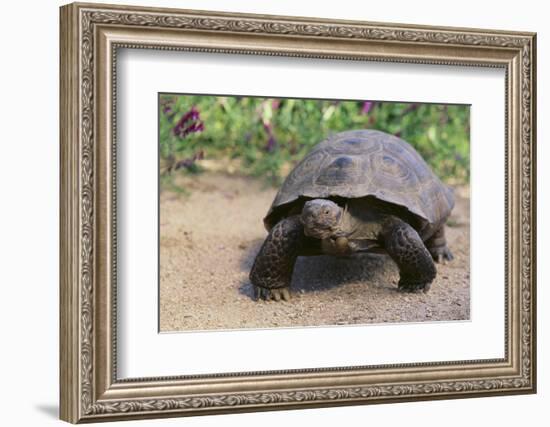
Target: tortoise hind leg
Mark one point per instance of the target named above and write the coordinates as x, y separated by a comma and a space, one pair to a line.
404, 245
272, 270
437, 245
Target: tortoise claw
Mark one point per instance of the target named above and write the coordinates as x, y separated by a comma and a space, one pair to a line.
256, 293
442, 255
285, 294
271, 294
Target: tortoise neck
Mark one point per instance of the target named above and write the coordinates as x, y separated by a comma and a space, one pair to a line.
346, 223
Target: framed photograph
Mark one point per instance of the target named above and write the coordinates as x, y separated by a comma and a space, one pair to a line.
267, 212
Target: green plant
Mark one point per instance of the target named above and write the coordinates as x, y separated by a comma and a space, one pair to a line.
268, 136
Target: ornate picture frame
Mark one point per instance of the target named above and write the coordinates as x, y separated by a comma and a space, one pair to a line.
90, 37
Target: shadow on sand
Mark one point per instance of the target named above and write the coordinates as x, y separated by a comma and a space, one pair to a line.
318, 273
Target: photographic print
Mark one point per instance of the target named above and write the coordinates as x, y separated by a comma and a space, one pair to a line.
280, 212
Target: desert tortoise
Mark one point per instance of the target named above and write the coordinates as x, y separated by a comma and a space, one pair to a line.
357, 191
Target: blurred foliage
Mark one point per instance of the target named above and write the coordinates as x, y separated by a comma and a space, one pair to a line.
268, 136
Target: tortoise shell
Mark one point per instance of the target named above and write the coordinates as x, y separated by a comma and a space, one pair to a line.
361, 163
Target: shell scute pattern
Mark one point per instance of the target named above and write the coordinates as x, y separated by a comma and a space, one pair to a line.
362, 163
342, 171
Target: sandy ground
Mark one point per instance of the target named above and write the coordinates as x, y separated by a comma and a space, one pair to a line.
209, 239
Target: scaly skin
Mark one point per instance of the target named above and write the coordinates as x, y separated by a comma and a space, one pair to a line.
272, 270
404, 245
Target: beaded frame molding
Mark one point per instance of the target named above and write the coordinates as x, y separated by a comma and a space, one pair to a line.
90, 36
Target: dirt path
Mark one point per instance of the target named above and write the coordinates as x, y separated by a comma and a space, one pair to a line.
208, 241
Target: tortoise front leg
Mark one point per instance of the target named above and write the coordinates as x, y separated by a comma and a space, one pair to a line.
272, 269
407, 249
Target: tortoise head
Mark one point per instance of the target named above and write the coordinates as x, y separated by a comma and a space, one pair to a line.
321, 218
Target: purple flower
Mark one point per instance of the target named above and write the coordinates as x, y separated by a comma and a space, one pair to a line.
192, 114
367, 106
189, 123
194, 127
167, 104
271, 144
271, 141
